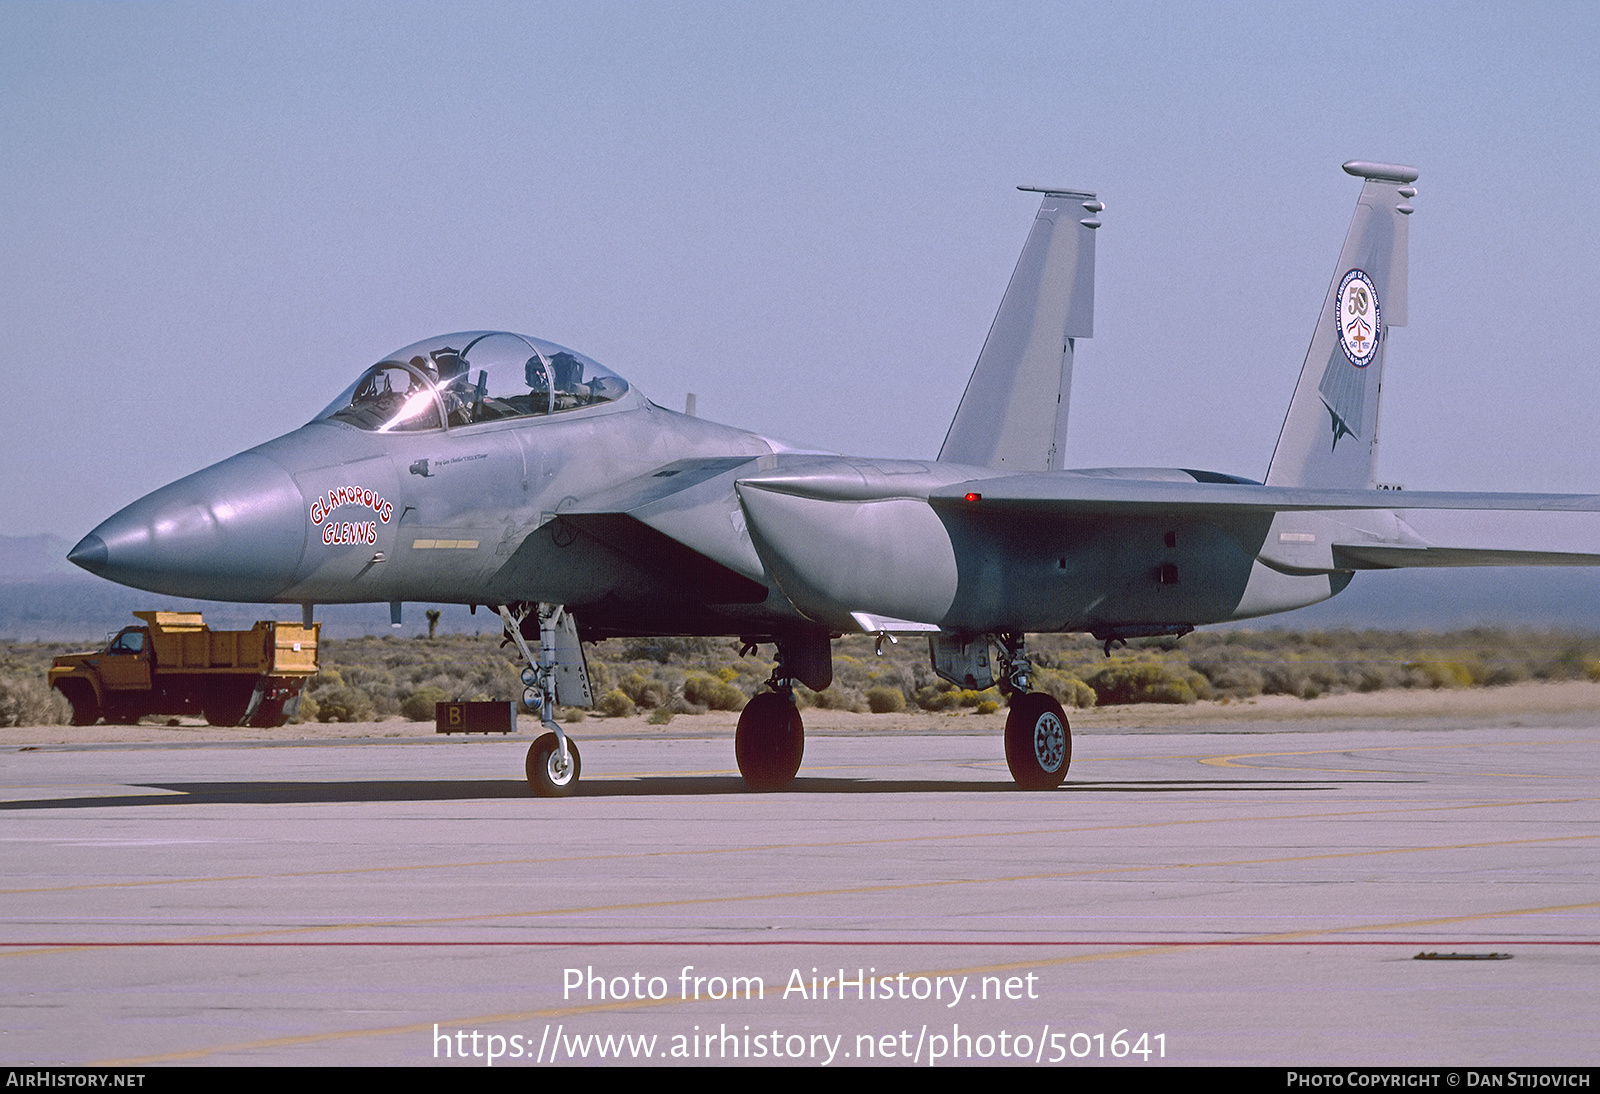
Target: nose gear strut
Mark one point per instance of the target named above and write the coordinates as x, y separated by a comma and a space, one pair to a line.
557, 673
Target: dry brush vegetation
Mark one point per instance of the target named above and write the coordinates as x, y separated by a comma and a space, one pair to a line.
389, 676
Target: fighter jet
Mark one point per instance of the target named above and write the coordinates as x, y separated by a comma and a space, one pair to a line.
496, 469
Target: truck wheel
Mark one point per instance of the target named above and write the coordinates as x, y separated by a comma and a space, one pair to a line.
119, 715
226, 703
85, 710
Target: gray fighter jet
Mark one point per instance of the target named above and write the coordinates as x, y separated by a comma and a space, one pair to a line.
496, 469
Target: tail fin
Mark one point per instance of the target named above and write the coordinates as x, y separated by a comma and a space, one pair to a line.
1014, 412
1330, 437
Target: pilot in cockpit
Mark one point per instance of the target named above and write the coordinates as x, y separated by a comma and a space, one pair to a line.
450, 364
449, 370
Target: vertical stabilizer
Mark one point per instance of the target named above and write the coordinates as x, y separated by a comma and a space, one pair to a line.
1330, 437
1014, 412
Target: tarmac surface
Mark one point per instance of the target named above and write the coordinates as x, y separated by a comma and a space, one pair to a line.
1241, 890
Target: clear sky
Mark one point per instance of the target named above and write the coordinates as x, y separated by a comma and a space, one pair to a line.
212, 216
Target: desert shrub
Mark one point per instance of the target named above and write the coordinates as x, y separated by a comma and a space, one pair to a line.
669, 650
647, 692
421, 705
1126, 680
344, 704
616, 704
29, 701
839, 697
1237, 678
885, 700
1068, 690
1432, 671
328, 676
659, 716
712, 692
679, 705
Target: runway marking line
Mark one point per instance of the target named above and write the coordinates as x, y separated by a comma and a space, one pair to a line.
1227, 761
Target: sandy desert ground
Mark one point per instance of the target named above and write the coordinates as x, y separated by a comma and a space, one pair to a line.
1474, 704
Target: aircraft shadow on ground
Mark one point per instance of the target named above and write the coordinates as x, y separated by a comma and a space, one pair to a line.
655, 786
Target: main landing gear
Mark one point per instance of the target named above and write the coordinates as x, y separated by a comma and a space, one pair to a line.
1038, 738
771, 738
1038, 741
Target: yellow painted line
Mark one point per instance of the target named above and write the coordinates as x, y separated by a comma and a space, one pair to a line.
1228, 761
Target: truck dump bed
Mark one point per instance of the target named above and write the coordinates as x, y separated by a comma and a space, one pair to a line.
182, 642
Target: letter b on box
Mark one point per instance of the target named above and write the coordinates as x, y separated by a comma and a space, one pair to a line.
488, 717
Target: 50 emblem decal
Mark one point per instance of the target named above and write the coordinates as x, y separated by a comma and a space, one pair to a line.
350, 495
1359, 320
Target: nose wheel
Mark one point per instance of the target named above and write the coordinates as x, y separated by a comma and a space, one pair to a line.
549, 773
1038, 741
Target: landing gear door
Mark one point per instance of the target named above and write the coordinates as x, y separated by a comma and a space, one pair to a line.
962, 661
558, 635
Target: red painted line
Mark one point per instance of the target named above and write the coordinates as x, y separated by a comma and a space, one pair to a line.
833, 943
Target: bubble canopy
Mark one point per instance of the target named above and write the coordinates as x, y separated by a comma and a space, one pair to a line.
474, 376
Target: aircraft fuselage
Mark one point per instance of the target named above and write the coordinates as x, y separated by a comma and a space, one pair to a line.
529, 509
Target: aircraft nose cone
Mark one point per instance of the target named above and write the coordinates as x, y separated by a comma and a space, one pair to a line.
235, 531
90, 553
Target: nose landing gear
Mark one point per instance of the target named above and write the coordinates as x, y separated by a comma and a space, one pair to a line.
551, 773
553, 765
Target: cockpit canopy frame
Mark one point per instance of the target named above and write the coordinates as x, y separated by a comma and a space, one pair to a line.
471, 377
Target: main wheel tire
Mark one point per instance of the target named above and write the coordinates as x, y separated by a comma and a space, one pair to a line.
770, 741
545, 773
1038, 742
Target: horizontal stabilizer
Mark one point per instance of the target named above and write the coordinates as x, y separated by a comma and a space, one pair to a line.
1089, 495
1315, 531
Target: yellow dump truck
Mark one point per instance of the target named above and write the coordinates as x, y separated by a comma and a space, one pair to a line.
174, 664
